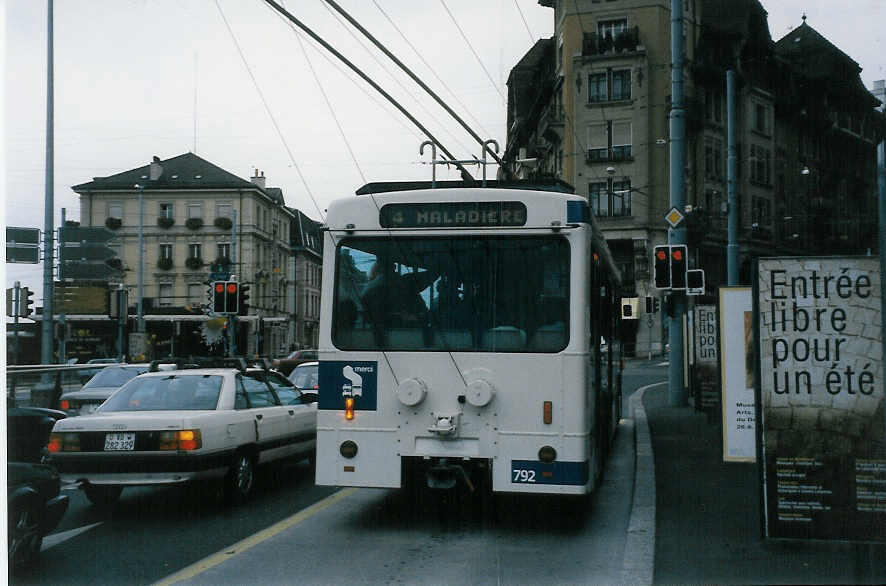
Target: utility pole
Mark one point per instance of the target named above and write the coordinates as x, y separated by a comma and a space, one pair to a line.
16, 310
46, 343
676, 391
232, 317
731, 181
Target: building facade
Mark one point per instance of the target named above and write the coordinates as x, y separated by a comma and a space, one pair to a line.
591, 106
307, 257
199, 223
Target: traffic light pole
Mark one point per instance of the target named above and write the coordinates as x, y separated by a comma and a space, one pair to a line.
16, 304
676, 391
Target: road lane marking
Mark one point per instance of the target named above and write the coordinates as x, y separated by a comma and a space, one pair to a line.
229, 552
56, 538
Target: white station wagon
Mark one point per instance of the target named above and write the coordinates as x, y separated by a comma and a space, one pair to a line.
173, 427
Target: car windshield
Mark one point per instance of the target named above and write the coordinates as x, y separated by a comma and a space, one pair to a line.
304, 377
168, 393
496, 293
113, 376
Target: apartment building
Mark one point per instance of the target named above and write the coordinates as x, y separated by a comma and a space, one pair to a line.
198, 220
591, 106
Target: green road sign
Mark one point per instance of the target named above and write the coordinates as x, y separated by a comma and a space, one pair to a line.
22, 245
83, 254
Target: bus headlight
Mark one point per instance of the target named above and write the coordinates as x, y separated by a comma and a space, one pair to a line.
348, 449
547, 454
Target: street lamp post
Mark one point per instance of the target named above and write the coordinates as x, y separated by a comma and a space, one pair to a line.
141, 258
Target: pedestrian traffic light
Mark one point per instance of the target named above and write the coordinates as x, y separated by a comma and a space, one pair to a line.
218, 296
678, 266
25, 302
656, 304
232, 293
648, 304
662, 265
243, 308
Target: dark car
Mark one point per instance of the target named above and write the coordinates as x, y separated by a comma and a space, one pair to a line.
100, 387
285, 365
34, 503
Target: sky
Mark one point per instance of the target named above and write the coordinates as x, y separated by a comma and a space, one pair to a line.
230, 81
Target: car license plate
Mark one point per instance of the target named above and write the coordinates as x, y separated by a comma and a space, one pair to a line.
115, 442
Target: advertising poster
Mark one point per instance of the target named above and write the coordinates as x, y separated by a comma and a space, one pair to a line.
705, 358
737, 374
821, 398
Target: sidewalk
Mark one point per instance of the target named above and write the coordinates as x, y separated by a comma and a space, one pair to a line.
708, 515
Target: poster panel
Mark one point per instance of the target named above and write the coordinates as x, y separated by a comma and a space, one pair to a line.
821, 398
737, 374
707, 376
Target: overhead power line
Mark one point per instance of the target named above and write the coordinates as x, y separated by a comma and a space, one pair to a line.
526, 24
471, 47
270, 113
430, 68
464, 172
484, 145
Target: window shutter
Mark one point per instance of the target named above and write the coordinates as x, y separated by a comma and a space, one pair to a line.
597, 136
621, 133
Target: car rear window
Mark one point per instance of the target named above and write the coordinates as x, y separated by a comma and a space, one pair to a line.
114, 376
169, 393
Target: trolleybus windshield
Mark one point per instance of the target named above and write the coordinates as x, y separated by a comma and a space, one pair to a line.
489, 293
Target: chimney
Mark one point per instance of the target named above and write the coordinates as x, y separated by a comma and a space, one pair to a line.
156, 169
259, 179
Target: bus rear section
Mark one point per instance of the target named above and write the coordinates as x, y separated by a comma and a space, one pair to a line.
457, 355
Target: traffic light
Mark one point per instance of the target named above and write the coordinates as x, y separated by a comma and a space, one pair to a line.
243, 308
25, 302
232, 294
662, 264
678, 266
656, 304
218, 296
652, 304
648, 304
10, 302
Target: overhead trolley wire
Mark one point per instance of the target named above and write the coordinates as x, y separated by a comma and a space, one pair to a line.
430, 67
393, 77
276, 6
523, 18
471, 47
418, 80
328, 103
270, 113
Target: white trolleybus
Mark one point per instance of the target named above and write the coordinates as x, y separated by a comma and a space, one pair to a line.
468, 337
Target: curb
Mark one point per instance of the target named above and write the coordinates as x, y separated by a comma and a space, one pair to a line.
639, 553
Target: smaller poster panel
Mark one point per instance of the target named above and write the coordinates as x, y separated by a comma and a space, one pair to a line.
737, 374
707, 376
821, 398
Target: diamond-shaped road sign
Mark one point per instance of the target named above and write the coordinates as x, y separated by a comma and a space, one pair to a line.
22, 245
674, 217
82, 253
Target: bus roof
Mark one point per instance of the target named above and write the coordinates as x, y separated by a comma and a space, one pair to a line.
388, 186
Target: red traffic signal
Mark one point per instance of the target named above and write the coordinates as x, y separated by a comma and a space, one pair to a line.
662, 266
678, 266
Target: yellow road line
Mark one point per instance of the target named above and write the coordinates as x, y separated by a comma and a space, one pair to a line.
253, 540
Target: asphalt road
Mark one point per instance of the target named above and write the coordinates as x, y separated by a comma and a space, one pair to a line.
364, 536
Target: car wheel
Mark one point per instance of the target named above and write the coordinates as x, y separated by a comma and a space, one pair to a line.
24, 532
102, 495
240, 479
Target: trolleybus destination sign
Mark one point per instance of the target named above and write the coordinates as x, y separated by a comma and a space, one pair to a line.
465, 214
821, 397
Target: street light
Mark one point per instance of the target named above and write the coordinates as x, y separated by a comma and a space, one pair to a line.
141, 257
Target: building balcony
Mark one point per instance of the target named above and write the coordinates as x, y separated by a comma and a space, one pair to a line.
595, 45
615, 154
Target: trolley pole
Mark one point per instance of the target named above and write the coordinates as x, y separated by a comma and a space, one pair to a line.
676, 391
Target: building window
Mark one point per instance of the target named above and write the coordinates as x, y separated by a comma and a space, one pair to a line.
195, 250
611, 85
164, 297
713, 106
224, 210
609, 141
166, 251
115, 210
761, 119
224, 250
195, 210
196, 294
166, 210
713, 158
610, 198
761, 165
611, 28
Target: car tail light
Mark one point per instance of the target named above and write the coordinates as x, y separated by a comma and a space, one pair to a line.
184, 440
64, 405
64, 442
349, 408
